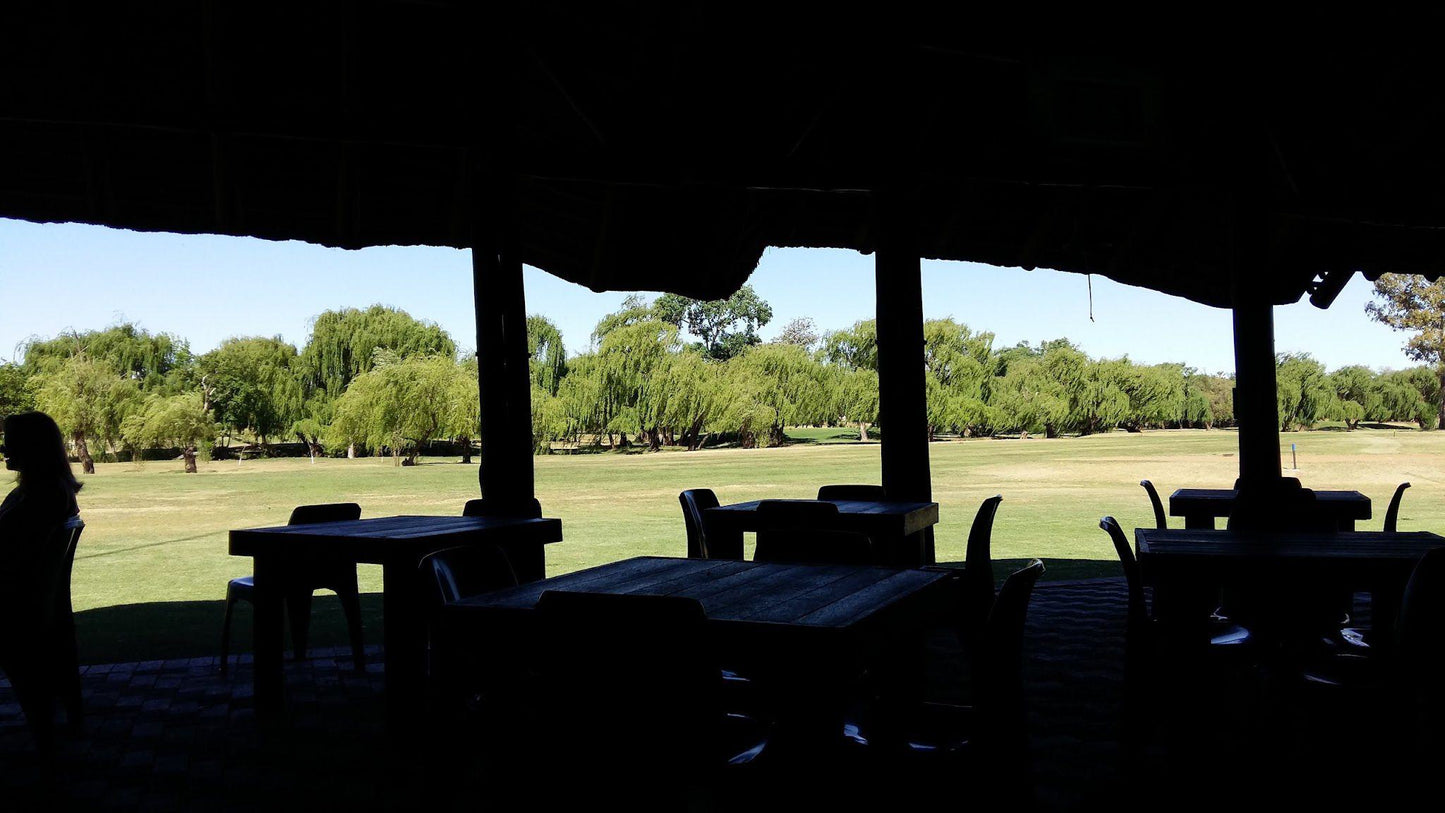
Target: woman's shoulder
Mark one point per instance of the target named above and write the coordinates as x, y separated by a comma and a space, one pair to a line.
40, 505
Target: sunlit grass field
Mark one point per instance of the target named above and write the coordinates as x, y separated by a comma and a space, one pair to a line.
154, 534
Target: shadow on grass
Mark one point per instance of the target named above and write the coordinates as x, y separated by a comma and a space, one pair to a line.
1057, 569
192, 629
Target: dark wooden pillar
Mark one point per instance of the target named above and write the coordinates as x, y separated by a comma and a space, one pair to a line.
1255, 400
502, 374
902, 403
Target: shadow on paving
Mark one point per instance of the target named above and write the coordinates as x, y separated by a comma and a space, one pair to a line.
163, 630
1056, 569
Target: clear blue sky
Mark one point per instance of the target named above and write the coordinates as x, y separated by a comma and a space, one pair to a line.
207, 288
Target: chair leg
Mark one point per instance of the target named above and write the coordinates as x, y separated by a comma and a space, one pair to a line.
350, 596
36, 699
226, 632
67, 676
298, 607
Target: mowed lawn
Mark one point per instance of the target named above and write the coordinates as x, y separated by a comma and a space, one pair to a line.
156, 537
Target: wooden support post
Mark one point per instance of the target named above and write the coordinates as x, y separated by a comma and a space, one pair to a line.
902, 403
1255, 401
502, 374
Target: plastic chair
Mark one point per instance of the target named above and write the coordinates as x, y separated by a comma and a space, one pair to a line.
39, 655
1392, 516
869, 493
306, 579
977, 582
629, 683
483, 507
444, 577
993, 729
797, 531
1159, 518
694, 502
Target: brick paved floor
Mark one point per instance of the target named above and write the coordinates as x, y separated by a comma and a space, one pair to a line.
176, 735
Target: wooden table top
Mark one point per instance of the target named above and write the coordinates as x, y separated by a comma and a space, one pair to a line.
372, 540
865, 516
833, 597
1219, 502
1172, 542
1357, 559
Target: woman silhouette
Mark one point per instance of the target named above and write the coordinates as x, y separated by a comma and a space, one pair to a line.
44, 495
43, 499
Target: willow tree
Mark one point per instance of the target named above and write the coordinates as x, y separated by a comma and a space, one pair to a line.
546, 355
173, 420
403, 405
89, 400
156, 362
253, 384
343, 344
1410, 303
959, 366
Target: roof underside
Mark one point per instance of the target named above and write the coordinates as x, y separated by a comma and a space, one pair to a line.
665, 147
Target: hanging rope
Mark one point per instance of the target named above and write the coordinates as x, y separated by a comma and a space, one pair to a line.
1089, 280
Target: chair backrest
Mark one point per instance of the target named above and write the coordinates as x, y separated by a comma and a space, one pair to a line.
59, 557
628, 677
870, 493
325, 512
804, 531
468, 570
1420, 626
1288, 507
1138, 608
1392, 516
483, 507
978, 595
1000, 673
1159, 519
694, 502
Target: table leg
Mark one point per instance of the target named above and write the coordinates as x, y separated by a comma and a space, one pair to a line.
268, 635
404, 636
529, 560
1199, 522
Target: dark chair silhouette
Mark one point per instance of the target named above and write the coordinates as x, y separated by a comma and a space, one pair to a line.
993, 730
444, 577
38, 652
1392, 516
977, 584
802, 531
1159, 518
629, 683
868, 493
694, 502
483, 507
1141, 621
301, 583
1164, 658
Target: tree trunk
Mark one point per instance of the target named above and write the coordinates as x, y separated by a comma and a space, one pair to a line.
466, 450
351, 451
82, 452
863, 431
189, 453
1050, 431
1440, 371
932, 430
395, 456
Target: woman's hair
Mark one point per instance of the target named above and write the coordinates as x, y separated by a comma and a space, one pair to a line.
35, 441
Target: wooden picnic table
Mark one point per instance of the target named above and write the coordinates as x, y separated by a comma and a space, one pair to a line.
896, 528
805, 629
397, 544
1200, 506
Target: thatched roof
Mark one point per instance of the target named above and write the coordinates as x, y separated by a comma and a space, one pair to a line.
663, 148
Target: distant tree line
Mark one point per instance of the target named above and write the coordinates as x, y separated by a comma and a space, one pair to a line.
379, 381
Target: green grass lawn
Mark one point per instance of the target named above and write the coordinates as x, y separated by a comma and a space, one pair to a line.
152, 566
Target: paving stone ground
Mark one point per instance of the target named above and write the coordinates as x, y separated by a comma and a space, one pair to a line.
176, 735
